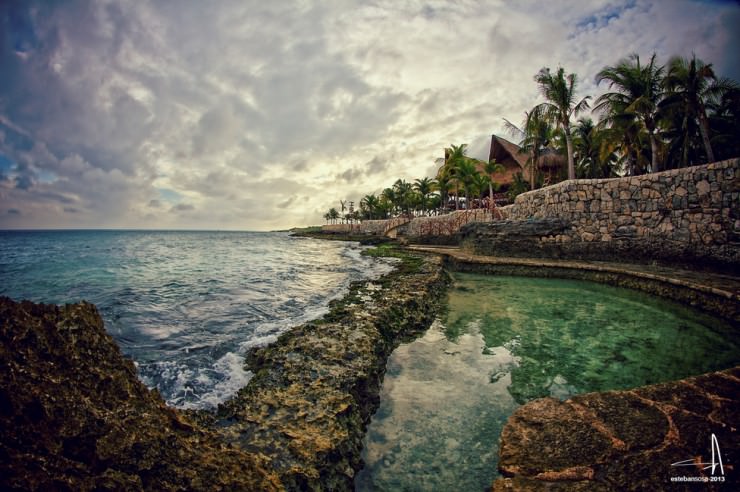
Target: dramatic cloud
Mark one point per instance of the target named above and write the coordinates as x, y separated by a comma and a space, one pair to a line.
262, 115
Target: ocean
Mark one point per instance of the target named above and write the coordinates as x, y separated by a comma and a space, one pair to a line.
186, 306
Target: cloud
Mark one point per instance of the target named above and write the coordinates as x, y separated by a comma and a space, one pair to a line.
182, 207
211, 111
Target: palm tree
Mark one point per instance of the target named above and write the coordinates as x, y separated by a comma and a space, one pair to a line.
424, 187
479, 183
391, 200
637, 97
404, 192
490, 168
370, 205
534, 137
725, 117
621, 134
343, 205
333, 214
454, 157
592, 154
464, 173
444, 184
559, 91
691, 85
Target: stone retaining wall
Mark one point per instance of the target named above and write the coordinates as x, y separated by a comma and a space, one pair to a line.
341, 228
445, 225
438, 225
684, 214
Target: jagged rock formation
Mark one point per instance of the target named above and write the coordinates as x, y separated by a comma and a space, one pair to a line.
625, 440
315, 389
74, 416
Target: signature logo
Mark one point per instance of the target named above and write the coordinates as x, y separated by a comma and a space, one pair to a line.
714, 464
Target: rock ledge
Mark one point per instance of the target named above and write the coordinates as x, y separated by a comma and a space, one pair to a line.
625, 440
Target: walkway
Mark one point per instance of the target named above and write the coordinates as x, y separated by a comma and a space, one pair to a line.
725, 288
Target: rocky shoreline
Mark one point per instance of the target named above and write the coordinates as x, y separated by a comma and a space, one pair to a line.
74, 416
627, 440
315, 389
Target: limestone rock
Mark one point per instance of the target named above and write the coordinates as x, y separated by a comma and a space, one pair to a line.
74, 416
625, 440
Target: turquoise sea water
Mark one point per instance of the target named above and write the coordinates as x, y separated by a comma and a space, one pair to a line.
185, 306
505, 341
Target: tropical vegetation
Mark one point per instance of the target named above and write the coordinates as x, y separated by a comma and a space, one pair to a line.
652, 117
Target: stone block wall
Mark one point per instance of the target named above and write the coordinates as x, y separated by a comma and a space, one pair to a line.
438, 225
373, 226
444, 225
684, 215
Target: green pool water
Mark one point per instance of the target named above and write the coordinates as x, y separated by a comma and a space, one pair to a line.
504, 341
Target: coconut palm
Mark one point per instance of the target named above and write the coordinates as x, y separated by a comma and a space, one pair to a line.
464, 173
534, 137
333, 215
424, 187
691, 84
593, 157
637, 96
444, 185
490, 168
479, 183
390, 200
559, 91
370, 205
404, 192
725, 121
454, 157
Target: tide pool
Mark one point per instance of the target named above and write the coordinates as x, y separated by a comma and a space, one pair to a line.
504, 341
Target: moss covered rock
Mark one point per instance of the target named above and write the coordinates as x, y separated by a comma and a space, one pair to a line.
74, 416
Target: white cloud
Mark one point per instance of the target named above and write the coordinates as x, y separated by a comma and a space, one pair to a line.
257, 115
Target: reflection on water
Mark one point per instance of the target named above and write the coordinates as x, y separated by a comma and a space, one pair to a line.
507, 340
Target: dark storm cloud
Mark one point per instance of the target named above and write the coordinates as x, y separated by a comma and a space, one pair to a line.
236, 106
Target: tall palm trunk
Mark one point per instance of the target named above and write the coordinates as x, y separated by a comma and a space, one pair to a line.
532, 166
704, 130
655, 164
569, 146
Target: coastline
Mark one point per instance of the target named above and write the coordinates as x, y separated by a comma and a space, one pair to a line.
314, 390
87, 421
300, 421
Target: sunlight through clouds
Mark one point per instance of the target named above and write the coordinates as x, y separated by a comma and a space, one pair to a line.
263, 115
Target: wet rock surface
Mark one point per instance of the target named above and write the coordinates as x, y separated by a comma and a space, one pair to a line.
315, 389
74, 416
514, 238
626, 440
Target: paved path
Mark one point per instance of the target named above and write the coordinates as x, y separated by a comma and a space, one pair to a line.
726, 286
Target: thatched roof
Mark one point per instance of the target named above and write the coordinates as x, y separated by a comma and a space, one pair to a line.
503, 150
509, 156
551, 160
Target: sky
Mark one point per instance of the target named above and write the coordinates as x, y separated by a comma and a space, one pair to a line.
254, 115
